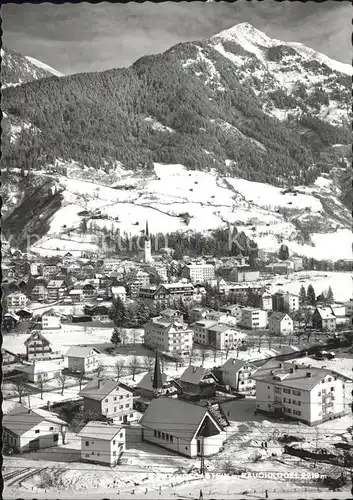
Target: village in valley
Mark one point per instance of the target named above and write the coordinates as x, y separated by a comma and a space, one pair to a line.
153, 373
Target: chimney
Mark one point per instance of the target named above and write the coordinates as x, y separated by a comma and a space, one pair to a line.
308, 374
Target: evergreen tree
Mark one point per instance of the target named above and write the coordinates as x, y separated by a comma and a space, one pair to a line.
115, 338
329, 296
311, 296
302, 296
283, 253
118, 312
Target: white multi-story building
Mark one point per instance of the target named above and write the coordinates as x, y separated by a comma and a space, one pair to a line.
201, 330
253, 318
285, 301
198, 273
349, 307
102, 443
50, 322
301, 391
280, 323
168, 335
119, 291
16, 300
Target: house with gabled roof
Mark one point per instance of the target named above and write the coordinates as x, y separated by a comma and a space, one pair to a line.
39, 347
82, 359
185, 428
198, 381
280, 323
102, 443
236, 373
107, 398
30, 430
324, 319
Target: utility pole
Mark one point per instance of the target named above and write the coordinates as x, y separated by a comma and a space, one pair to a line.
202, 470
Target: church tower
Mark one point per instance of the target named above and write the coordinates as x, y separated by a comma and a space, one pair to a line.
148, 255
157, 382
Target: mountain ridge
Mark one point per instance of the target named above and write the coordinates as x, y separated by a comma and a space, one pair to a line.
210, 105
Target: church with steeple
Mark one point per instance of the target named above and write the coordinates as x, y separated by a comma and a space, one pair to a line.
147, 250
156, 383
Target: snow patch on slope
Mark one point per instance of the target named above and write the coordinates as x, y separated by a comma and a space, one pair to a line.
44, 66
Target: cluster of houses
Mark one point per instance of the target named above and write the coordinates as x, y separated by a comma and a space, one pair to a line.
184, 414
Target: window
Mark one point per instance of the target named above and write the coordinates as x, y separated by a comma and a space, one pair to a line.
115, 398
87, 455
87, 443
319, 393
284, 400
127, 405
163, 435
51, 428
114, 409
121, 407
296, 393
106, 400
155, 433
114, 453
98, 454
92, 452
159, 434
171, 438
289, 401
131, 415
37, 431
287, 391
332, 389
329, 379
114, 441
121, 434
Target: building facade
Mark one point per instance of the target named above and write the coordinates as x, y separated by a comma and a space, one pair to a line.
83, 359
198, 273
168, 335
102, 443
14, 300
253, 318
280, 324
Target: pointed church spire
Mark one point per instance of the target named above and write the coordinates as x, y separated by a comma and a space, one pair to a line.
157, 375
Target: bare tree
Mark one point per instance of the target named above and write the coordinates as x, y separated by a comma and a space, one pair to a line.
123, 336
133, 366
81, 378
148, 362
40, 385
61, 379
203, 356
135, 334
178, 361
191, 355
20, 389
99, 370
119, 369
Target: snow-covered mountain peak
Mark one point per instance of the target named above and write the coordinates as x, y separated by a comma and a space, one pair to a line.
44, 66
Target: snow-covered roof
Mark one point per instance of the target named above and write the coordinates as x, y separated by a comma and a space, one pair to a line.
22, 419
325, 312
176, 417
195, 374
99, 389
234, 365
100, 430
81, 351
118, 289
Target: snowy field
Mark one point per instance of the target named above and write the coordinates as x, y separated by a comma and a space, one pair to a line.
211, 201
340, 282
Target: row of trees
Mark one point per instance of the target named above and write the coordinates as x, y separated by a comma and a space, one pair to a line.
308, 297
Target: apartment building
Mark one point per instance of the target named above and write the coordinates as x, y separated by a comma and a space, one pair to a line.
280, 323
14, 300
285, 302
139, 279
201, 328
301, 391
39, 293
107, 398
119, 292
198, 273
102, 443
56, 290
253, 318
222, 336
167, 294
168, 335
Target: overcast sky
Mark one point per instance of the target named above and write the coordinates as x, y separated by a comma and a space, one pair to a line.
85, 37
